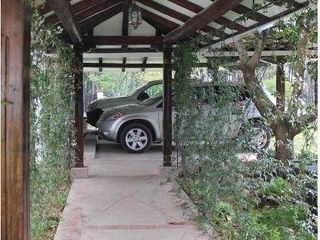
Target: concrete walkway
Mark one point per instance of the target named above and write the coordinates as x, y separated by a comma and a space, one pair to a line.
123, 200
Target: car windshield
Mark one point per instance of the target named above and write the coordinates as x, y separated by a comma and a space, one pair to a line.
151, 101
134, 91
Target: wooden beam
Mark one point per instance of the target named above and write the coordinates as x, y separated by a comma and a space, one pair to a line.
251, 14
125, 19
196, 8
95, 9
144, 62
159, 23
63, 10
121, 50
170, 12
207, 15
123, 40
84, 7
167, 105
124, 61
120, 65
291, 3
78, 118
188, 5
252, 28
15, 111
91, 22
130, 65
231, 24
163, 24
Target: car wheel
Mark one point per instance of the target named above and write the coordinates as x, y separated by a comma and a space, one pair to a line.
260, 136
136, 138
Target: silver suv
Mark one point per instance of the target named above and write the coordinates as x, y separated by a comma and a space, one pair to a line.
97, 107
136, 126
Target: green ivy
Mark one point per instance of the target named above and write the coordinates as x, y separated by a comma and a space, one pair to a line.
51, 126
238, 200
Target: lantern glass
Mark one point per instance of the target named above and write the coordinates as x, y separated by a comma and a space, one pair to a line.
135, 16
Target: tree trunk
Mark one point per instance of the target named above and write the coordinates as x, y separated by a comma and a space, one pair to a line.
284, 142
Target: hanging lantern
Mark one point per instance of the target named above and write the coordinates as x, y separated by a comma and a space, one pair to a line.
135, 15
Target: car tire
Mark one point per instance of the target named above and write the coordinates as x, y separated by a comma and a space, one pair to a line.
136, 138
264, 135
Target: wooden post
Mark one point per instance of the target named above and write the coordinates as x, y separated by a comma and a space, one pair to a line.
167, 105
15, 105
78, 116
280, 86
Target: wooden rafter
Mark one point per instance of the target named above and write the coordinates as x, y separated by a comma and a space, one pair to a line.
131, 65
84, 7
207, 15
63, 10
102, 16
121, 50
172, 13
95, 9
164, 25
273, 18
231, 24
161, 24
196, 9
250, 13
293, 3
123, 40
125, 19
144, 63
123, 66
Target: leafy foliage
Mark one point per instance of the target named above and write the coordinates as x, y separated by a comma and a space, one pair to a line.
51, 124
293, 112
119, 83
238, 198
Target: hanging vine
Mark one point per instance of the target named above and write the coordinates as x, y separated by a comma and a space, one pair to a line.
51, 125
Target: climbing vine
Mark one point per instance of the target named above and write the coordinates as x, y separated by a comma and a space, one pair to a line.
51, 126
240, 191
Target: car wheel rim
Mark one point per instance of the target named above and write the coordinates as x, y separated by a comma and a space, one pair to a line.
136, 139
260, 137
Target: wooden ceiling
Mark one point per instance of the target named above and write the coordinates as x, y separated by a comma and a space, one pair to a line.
101, 26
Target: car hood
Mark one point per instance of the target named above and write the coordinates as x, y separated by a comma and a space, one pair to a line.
105, 103
124, 109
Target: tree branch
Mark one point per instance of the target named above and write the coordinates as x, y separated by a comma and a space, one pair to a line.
304, 120
243, 55
248, 67
254, 60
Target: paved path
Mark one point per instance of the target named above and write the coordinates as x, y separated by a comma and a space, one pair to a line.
123, 200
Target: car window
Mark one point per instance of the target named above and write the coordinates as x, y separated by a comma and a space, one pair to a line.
154, 90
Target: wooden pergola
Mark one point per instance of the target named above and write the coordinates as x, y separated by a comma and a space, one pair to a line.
103, 39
